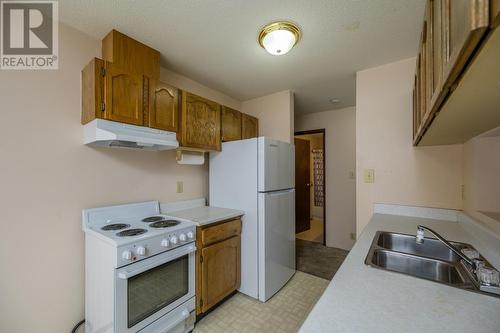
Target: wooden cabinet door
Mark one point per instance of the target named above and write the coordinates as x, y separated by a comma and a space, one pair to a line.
92, 91
220, 271
123, 95
465, 22
131, 55
200, 123
495, 13
163, 106
434, 18
249, 126
231, 124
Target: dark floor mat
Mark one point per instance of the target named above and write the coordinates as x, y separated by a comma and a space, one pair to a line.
317, 259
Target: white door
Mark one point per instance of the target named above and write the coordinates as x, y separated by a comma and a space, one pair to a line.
276, 165
276, 241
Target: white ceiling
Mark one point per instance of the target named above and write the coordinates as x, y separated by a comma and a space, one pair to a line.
215, 42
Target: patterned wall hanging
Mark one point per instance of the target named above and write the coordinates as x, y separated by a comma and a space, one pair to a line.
318, 177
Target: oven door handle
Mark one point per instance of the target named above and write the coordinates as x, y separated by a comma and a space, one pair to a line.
125, 275
175, 321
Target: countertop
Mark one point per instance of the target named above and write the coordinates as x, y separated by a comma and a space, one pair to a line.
204, 215
364, 299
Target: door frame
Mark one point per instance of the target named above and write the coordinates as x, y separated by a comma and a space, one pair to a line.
320, 131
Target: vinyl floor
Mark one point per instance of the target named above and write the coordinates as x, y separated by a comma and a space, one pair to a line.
283, 313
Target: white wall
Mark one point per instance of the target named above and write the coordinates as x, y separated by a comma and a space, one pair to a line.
423, 176
275, 113
340, 158
482, 180
48, 176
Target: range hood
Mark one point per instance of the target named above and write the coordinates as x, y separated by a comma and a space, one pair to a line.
105, 133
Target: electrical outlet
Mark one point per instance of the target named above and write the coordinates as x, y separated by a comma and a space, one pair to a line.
353, 236
369, 176
180, 186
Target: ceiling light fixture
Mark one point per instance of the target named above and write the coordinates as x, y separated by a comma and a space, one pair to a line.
279, 37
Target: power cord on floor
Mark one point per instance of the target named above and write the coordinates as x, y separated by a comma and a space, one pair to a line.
80, 323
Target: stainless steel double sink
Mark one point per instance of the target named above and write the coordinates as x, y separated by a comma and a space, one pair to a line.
431, 260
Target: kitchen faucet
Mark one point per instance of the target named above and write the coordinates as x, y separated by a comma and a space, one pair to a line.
420, 239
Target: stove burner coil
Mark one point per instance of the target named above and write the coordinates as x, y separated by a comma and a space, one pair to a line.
131, 232
164, 224
153, 219
115, 226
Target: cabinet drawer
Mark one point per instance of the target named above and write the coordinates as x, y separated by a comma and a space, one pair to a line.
220, 232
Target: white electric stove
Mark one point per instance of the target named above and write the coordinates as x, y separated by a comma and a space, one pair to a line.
139, 270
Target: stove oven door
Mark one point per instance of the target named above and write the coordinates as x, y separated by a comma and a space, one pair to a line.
151, 288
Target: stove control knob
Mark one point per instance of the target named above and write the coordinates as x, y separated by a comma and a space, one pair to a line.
190, 235
182, 237
141, 250
165, 243
173, 240
127, 255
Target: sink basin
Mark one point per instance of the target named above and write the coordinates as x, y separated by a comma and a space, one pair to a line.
430, 260
425, 268
431, 248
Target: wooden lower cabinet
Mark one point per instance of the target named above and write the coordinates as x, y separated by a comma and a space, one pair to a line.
218, 264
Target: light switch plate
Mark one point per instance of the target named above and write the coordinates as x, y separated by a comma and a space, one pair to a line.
369, 176
180, 187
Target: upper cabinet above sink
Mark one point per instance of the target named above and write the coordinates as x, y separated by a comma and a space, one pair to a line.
456, 83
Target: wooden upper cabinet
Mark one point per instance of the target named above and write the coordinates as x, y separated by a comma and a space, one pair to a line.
495, 13
163, 106
231, 124
109, 92
131, 55
416, 106
93, 91
249, 126
123, 95
434, 17
423, 66
220, 271
200, 123
465, 22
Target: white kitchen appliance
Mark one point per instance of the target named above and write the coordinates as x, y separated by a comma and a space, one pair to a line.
139, 270
257, 176
105, 133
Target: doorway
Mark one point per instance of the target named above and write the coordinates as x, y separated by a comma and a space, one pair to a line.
310, 186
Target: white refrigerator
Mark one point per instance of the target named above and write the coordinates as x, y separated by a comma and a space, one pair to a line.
258, 176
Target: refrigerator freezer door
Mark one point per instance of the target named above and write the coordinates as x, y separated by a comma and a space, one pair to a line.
276, 241
276, 165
